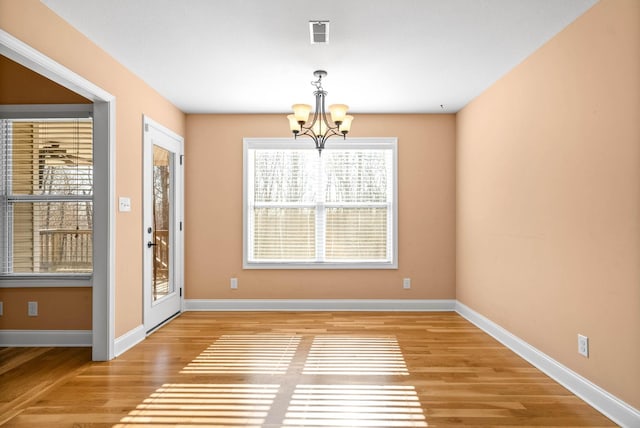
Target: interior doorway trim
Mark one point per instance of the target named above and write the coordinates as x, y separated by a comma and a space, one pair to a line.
103, 281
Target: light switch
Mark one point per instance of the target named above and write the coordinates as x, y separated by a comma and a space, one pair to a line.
125, 205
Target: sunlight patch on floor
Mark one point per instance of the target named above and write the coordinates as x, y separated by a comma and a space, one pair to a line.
354, 406
306, 405
355, 355
248, 354
213, 405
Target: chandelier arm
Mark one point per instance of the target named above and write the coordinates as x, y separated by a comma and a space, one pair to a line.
331, 132
317, 115
308, 132
314, 118
323, 116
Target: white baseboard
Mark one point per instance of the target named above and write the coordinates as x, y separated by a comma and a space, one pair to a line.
129, 340
609, 405
319, 305
29, 338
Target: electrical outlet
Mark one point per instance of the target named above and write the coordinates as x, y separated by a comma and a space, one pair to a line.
583, 345
406, 283
124, 204
234, 283
33, 309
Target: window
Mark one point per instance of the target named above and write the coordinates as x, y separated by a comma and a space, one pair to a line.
46, 196
337, 210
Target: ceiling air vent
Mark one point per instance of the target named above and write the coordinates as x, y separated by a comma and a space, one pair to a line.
319, 32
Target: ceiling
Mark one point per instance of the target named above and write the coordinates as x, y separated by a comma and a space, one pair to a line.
255, 56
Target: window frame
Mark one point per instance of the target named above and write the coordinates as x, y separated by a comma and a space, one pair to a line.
388, 143
44, 279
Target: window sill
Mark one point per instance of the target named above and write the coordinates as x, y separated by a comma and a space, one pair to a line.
42, 281
319, 266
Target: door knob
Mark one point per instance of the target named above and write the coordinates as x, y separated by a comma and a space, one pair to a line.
151, 244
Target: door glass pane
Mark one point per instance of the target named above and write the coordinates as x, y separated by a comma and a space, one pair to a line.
162, 213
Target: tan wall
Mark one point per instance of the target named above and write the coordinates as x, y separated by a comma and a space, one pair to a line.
549, 198
19, 85
35, 24
58, 308
213, 152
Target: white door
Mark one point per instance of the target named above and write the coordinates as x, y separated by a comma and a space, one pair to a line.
163, 224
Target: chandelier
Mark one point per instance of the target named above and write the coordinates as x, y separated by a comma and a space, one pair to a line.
320, 128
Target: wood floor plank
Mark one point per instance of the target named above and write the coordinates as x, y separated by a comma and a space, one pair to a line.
26, 374
311, 369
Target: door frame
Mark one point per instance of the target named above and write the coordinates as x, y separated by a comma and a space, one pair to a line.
177, 240
104, 113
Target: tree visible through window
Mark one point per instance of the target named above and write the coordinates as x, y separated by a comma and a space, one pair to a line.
47, 196
306, 210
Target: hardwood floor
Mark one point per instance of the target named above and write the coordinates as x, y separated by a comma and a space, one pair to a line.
28, 373
277, 369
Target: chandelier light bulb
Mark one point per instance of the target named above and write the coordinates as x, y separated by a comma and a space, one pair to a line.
338, 112
345, 126
301, 112
294, 126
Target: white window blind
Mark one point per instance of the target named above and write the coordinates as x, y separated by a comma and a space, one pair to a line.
337, 210
46, 197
